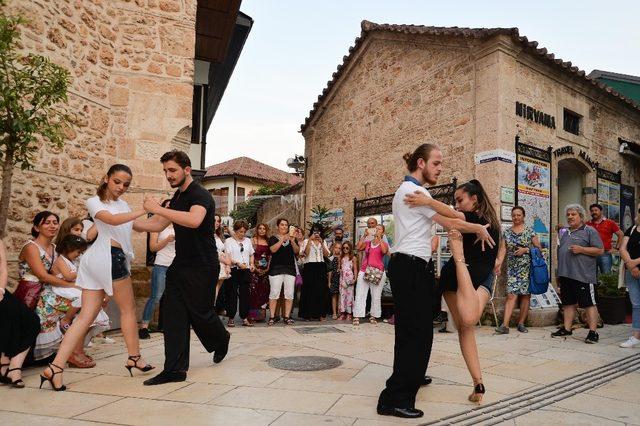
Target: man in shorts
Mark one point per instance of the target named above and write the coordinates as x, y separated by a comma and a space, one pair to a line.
579, 247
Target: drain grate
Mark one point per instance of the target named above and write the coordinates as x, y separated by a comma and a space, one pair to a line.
304, 363
541, 396
318, 329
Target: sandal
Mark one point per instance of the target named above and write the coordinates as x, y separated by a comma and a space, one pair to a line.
76, 361
334, 316
19, 384
44, 378
356, 321
287, 321
247, 323
373, 320
478, 393
230, 323
271, 322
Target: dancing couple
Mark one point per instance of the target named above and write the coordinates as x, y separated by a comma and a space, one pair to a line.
412, 276
190, 284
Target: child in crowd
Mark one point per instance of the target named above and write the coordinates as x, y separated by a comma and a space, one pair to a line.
348, 273
333, 278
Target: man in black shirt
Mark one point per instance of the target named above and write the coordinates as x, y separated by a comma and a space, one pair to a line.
191, 278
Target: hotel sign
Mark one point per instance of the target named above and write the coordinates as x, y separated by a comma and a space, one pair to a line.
532, 114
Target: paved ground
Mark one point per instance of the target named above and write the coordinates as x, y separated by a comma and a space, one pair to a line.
519, 369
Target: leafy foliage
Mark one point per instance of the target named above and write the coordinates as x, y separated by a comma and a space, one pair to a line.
608, 285
320, 215
32, 92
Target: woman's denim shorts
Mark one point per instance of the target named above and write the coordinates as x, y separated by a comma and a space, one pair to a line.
119, 269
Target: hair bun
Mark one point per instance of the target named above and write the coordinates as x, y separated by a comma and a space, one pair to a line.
407, 157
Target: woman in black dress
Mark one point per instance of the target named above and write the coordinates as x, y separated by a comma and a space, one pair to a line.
19, 327
314, 296
467, 294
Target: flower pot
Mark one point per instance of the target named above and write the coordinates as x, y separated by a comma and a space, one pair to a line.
612, 309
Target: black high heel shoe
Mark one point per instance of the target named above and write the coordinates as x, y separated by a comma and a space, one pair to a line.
478, 393
50, 380
135, 359
19, 384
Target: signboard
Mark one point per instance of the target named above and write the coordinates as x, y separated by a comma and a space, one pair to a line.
495, 155
507, 195
550, 299
609, 194
627, 207
533, 191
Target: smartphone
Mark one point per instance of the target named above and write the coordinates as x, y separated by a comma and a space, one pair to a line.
292, 231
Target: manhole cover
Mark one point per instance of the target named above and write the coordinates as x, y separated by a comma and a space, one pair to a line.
304, 363
318, 330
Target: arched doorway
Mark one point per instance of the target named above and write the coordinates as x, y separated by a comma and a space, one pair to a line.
571, 181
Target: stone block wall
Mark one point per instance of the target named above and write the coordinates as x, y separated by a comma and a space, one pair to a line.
131, 65
398, 95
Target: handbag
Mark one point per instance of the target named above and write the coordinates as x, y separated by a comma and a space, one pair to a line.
373, 275
28, 293
539, 273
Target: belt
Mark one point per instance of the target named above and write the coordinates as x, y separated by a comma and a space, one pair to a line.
411, 256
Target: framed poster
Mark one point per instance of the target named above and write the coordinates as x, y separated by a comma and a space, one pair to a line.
609, 194
533, 191
627, 207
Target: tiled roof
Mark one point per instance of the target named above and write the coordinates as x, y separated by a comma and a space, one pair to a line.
478, 33
250, 168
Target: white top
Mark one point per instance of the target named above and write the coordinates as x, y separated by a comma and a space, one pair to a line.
165, 256
315, 251
94, 272
219, 245
238, 253
86, 225
412, 224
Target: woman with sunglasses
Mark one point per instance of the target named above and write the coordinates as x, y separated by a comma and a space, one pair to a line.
314, 296
236, 288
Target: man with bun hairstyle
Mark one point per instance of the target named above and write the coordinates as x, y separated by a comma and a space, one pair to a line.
412, 278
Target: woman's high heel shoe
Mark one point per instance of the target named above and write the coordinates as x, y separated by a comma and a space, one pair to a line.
50, 380
135, 359
3, 377
478, 393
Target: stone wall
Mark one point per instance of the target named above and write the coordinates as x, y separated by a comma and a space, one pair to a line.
398, 95
131, 65
274, 209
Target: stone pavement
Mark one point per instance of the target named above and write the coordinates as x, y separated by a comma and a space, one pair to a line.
245, 390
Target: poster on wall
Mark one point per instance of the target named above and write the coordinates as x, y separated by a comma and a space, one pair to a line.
609, 194
534, 191
627, 207
332, 219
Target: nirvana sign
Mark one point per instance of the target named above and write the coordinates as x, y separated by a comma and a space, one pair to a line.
532, 114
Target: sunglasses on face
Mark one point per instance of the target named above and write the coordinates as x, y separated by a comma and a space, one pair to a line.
346, 248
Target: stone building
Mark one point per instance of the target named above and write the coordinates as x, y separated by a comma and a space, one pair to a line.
132, 90
533, 128
235, 180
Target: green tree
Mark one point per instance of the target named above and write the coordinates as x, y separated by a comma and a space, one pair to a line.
33, 91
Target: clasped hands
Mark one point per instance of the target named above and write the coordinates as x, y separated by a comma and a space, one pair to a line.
151, 204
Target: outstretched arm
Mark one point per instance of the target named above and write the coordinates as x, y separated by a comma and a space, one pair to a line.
463, 226
419, 198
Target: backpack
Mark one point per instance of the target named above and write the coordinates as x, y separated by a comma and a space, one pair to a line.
539, 273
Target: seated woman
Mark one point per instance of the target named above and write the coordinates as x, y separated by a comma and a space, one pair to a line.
35, 266
467, 294
19, 327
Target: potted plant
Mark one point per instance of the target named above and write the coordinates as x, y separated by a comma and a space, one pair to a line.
611, 299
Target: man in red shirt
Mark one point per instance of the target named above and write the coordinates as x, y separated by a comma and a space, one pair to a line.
606, 228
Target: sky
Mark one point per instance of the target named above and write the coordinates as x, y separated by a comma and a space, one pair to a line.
295, 46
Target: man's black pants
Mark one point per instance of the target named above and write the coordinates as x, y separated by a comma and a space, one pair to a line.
412, 282
237, 288
189, 301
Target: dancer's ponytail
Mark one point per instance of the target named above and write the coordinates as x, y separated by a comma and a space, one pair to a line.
484, 208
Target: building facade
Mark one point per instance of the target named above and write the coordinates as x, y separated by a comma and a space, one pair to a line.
132, 91
532, 128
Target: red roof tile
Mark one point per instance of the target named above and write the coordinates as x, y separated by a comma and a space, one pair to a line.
250, 168
479, 33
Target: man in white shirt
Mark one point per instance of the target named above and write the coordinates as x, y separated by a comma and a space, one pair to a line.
412, 279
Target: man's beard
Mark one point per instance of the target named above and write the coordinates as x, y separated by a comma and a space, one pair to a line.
179, 184
339, 238
428, 179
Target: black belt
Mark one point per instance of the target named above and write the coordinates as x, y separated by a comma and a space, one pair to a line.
410, 256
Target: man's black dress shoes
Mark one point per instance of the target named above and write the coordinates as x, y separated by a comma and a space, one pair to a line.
221, 351
407, 413
427, 381
166, 377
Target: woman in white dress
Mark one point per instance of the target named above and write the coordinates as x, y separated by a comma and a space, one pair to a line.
104, 270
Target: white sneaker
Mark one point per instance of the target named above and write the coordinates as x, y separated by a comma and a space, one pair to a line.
632, 342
